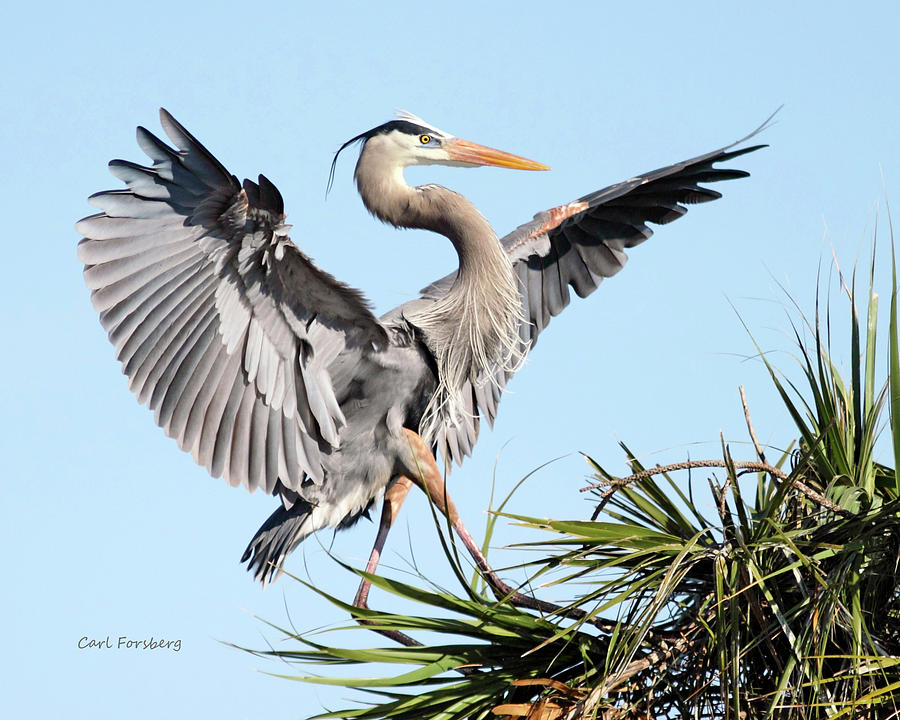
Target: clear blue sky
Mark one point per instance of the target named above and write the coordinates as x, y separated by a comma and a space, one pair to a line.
110, 530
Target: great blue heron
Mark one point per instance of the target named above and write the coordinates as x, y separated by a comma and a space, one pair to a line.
277, 376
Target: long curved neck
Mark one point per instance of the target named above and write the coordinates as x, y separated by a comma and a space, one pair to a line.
389, 198
473, 330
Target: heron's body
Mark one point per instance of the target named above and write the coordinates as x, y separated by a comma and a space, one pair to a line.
357, 471
275, 375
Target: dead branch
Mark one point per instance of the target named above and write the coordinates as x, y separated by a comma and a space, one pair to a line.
615, 485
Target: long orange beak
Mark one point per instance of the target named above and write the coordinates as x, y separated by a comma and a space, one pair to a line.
469, 152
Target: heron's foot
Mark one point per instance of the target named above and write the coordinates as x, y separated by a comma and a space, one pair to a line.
504, 592
361, 602
507, 593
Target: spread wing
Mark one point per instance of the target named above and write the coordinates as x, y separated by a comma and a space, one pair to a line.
576, 246
223, 327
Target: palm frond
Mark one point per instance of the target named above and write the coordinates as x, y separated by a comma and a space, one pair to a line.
784, 603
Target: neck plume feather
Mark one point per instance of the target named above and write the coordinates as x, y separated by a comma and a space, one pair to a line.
473, 330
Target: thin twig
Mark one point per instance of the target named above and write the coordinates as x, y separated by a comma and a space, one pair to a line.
759, 451
687, 465
819, 498
720, 492
615, 485
723, 494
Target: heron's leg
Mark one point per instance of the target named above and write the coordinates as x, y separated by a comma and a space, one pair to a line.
393, 499
431, 480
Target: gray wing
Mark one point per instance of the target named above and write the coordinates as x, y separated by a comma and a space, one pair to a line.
223, 327
579, 244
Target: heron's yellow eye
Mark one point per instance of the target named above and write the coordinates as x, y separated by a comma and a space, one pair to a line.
424, 139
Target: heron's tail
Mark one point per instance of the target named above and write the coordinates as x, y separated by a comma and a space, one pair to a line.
277, 537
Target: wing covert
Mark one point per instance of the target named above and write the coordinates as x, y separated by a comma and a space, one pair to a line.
579, 244
224, 327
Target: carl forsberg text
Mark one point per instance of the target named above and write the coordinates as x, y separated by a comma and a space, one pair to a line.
126, 643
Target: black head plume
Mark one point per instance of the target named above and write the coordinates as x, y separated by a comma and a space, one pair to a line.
404, 126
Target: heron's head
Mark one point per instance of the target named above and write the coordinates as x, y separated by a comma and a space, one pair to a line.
409, 140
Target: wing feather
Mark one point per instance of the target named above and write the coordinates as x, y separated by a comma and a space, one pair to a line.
166, 367
186, 400
225, 429
256, 470
163, 291
215, 411
197, 413
214, 312
183, 373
